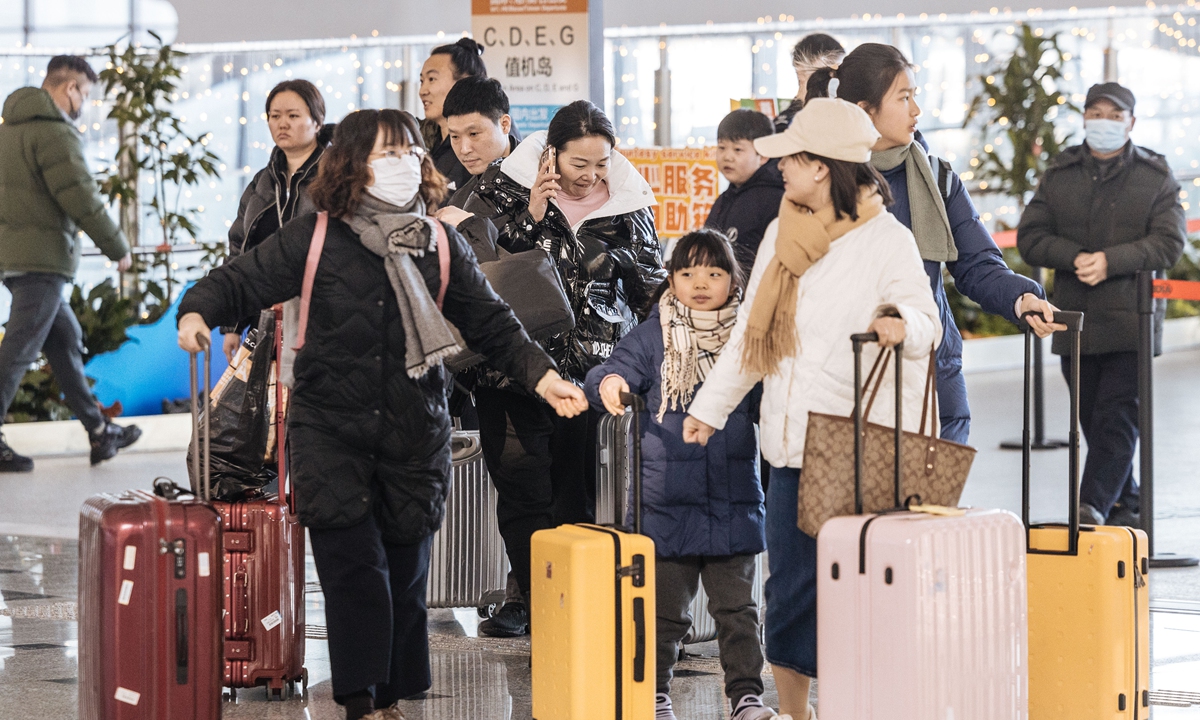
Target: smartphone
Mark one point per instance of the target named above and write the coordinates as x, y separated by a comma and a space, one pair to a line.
548, 162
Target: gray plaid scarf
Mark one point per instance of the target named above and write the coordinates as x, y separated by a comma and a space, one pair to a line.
397, 235
692, 339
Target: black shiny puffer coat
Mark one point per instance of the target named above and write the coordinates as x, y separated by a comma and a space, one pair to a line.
363, 436
611, 264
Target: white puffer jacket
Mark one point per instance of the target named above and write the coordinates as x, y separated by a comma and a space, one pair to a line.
868, 270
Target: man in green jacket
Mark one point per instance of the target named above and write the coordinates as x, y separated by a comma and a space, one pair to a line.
48, 200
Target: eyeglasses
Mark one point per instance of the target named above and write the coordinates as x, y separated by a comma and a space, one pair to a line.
414, 151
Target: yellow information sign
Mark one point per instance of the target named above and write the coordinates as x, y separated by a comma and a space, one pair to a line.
684, 183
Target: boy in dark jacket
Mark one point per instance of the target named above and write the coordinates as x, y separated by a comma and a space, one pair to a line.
703, 506
755, 190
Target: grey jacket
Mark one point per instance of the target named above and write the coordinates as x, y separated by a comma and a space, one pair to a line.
1131, 211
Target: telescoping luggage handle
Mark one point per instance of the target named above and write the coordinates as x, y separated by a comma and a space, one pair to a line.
286, 496
200, 399
1074, 323
859, 340
638, 404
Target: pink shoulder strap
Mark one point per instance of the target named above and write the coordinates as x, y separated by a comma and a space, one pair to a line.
310, 273
443, 251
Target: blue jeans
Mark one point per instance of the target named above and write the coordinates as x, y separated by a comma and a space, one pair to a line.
41, 321
791, 590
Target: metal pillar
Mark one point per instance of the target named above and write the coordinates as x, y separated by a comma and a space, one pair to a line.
596, 52
1145, 294
662, 97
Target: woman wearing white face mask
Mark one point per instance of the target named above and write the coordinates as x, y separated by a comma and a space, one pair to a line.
370, 430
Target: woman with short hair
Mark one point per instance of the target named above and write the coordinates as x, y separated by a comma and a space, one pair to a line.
368, 427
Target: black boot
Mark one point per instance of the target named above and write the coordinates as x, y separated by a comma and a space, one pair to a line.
109, 438
10, 461
511, 620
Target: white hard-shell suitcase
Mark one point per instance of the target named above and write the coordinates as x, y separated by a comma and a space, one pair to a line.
612, 502
921, 615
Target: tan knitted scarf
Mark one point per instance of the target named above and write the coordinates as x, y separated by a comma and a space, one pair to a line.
804, 238
692, 339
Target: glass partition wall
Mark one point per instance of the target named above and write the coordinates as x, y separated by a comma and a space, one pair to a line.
672, 85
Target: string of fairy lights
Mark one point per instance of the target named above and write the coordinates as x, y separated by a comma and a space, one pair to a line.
224, 87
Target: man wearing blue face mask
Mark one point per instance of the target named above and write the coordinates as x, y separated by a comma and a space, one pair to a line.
1105, 210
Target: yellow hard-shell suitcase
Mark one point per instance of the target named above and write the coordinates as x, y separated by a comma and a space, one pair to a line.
592, 617
1089, 598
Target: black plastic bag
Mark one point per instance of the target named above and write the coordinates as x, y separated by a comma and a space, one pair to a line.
241, 418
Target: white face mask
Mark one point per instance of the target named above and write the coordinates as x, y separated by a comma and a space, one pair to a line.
397, 179
1106, 136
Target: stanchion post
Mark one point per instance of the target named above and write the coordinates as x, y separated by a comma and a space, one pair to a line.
1145, 299
1145, 302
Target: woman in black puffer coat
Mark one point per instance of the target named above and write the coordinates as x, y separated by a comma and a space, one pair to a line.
279, 192
369, 428
570, 193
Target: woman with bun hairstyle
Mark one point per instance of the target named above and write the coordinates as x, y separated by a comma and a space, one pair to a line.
833, 263
567, 191
447, 64
369, 427
932, 202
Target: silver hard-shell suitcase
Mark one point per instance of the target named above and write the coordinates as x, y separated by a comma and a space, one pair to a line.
613, 466
467, 563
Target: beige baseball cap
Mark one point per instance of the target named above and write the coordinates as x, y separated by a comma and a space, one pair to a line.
828, 127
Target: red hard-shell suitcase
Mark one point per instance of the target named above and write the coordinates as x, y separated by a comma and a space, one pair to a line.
264, 579
150, 606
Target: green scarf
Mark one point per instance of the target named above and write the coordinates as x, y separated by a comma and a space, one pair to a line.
927, 210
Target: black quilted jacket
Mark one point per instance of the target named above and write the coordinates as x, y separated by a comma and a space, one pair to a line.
364, 437
611, 265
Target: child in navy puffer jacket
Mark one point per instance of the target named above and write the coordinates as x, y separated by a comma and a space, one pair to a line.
703, 506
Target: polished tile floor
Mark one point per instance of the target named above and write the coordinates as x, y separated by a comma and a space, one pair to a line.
478, 678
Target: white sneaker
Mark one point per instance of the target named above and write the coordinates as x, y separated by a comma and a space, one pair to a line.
750, 707
662, 707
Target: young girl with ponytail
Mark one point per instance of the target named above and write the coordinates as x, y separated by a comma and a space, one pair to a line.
932, 202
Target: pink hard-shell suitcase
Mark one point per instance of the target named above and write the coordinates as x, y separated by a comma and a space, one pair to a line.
921, 615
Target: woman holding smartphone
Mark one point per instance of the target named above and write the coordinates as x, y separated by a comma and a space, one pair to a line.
569, 193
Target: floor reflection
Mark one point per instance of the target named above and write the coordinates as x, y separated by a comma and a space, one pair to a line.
474, 677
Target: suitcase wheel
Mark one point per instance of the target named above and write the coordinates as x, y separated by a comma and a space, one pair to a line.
281, 693
230, 695
490, 603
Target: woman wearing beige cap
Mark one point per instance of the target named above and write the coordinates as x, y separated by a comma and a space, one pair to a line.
834, 263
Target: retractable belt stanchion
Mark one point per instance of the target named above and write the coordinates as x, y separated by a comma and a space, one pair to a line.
1147, 291
1039, 441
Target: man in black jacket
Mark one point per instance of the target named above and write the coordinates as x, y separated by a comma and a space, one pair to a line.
482, 133
1105, 210
755, 190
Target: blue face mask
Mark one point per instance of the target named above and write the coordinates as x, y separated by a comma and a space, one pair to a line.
1106, 136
